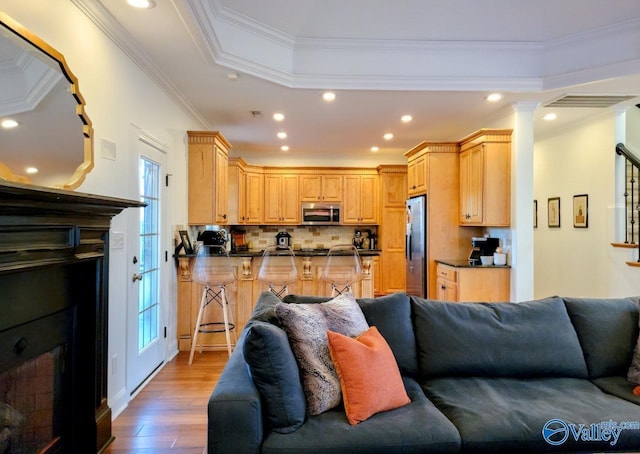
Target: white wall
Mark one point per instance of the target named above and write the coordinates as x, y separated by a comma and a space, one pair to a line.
571, 261
117, 95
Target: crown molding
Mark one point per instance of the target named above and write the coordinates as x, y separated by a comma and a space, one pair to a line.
94, 10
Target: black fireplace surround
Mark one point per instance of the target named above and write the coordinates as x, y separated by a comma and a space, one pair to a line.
54, 295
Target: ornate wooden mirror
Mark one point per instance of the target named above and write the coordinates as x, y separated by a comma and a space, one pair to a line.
40, 93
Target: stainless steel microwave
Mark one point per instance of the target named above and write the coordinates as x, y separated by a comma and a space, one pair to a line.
321, 213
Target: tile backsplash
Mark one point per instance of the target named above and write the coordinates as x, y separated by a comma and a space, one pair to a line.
302, 237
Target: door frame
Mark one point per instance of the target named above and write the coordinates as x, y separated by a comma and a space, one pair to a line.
139, 136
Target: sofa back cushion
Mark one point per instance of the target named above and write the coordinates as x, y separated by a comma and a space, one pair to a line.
275, 373
607, 330
532, 339
391, 315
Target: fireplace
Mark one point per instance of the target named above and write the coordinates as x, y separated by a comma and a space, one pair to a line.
53, 328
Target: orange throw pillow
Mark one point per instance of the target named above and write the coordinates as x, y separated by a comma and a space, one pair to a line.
369, 375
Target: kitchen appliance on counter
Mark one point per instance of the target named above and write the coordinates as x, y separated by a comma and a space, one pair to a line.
214, 238
482, 246
358, 239
239, 241
283, 240
320, 214
416, 244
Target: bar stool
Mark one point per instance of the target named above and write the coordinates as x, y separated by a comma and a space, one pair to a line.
278, 268
342, 268
214, 270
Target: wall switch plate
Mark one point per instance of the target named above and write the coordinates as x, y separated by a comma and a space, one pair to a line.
117, 240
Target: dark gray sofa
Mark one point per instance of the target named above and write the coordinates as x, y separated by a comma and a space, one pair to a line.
541, 376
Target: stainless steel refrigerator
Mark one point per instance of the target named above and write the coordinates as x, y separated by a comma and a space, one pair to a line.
416, 246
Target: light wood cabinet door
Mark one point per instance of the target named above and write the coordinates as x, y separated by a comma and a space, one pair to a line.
471, 185
417, 175
222, 186
446, 290
360, 204
290, 211
310, 188
332, 188
281, 201
254, 200
208, 178
485, 179
320, 188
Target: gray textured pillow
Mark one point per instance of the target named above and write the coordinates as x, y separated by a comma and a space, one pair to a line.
633, 375
306, 326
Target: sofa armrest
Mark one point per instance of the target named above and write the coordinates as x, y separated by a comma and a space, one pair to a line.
235, 412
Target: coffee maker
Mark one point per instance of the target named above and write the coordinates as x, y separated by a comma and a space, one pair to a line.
481, 246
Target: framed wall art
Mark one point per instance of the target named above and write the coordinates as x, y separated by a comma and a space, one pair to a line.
581, 211
186, 242
553, 212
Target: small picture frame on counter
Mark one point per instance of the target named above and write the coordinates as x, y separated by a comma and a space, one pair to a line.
553, 212
581, 211
185, 241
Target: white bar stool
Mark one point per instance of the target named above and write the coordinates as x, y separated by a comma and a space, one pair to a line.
278, 269
214, 270
342, 269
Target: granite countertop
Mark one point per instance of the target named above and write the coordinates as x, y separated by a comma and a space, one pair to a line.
464, 263
301, 253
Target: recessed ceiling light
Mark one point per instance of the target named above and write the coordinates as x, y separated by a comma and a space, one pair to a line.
388, 136
31, 170
232, 76
375, 149
9, 123
493, 97
328, 96
550, 117
278, 116
284, 148
406, 118
282, 135
142, 4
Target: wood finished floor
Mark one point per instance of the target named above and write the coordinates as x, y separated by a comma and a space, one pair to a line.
170, 414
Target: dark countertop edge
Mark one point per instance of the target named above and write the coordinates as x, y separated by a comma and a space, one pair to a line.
464, 263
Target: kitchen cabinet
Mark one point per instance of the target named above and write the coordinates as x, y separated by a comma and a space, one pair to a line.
320, 188
392, 228
208, 176
254, 200
473, 283
417, 174
281, 201
246, 189
360, 204
445, 236
485, 178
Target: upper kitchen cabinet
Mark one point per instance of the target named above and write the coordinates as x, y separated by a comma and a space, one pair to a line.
485, 178
320, 188
417, 172
208, 177
246, 189
360, 202
281, 200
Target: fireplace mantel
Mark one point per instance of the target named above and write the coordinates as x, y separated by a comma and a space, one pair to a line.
54, 247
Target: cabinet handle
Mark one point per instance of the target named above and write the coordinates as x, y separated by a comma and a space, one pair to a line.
443, 287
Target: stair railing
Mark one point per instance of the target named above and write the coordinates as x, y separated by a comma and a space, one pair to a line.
631, 195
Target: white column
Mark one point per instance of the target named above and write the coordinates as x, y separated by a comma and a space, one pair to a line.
522, 270
620, 183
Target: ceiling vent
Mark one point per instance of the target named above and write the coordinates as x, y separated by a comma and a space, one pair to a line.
592, 101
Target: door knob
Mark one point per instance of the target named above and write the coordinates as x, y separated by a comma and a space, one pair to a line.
136, 277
